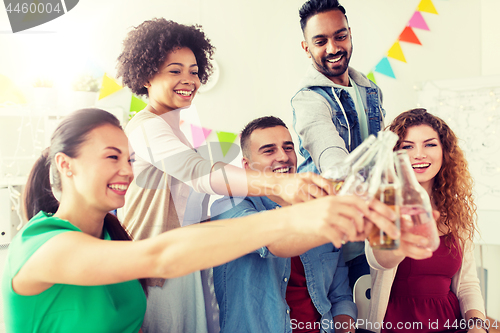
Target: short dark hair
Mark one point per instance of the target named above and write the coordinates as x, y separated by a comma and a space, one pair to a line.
313, 7
146, 47
259, 123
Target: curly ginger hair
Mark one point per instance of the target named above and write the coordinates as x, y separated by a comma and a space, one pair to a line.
452, 189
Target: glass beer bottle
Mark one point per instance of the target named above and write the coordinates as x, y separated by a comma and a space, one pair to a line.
388, 193
358, 180
365, 177
415, 203
337, 173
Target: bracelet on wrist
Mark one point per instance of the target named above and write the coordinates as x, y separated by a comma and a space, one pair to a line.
476, 322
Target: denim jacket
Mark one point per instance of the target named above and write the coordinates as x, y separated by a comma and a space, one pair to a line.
251, 290
325, 134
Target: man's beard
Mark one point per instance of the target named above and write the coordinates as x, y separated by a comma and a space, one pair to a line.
340, 70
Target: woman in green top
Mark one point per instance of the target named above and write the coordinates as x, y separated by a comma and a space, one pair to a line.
63, 273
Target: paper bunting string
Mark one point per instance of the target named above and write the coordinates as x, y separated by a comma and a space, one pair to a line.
417, 21
384, 67
408, 35
371, 77
199, 135
226, 140
137, 104
396, 52
9, 93
109, 86
427, 6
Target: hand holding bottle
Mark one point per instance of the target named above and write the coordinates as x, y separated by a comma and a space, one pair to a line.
412, 245
416, 209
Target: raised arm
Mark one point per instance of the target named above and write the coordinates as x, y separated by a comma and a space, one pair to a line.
79, 259
314, 125
154, 142
353, 218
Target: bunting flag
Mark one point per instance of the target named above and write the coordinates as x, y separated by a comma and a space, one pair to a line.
109, 86
408, 35
396, 52
371, 77
9, 93
417, 21
427, 6
199, 135
384, 67
226, 140
137, 104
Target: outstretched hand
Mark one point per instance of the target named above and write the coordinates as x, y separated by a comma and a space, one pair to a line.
383, 217
300, 187
411, 245
337, 218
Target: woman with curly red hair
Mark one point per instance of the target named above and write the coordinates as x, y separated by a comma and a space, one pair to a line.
439, 290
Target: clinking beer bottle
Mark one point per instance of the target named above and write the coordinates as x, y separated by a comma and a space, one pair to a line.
337, 173
415, 203
366, 174
389, 193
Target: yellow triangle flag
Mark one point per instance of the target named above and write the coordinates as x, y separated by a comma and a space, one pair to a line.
427, 6
396, 52
109, 86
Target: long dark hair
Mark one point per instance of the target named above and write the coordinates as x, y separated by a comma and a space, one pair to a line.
68, 137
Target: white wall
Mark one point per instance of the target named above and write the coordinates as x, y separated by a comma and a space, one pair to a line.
258, 51
258, 47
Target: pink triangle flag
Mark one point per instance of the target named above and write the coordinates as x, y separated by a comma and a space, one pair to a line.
417, 21
200, 134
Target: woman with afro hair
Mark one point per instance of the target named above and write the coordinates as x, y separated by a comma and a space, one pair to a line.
440, 290
168, 62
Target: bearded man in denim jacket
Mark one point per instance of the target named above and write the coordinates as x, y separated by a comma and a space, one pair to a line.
337, 106
266, 291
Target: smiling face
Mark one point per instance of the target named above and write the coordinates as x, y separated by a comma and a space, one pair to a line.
426, 153
271, 149
328, 42
176, 83
101, 173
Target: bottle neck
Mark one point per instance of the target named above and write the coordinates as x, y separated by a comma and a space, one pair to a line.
409, 182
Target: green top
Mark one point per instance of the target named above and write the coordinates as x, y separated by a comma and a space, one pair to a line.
66, 308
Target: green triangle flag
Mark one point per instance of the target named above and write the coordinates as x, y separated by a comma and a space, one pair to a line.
371, 77
226, 140
137, 104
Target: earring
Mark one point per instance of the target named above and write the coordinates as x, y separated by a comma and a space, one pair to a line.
69, 173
